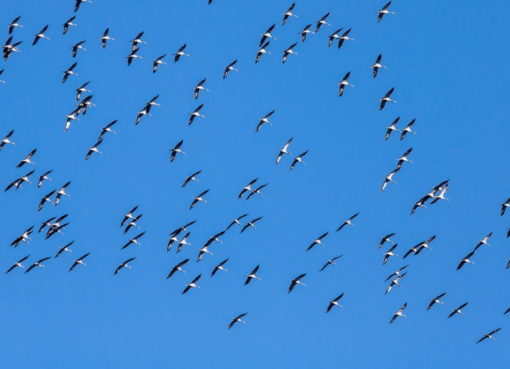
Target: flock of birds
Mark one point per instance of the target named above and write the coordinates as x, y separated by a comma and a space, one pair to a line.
179, 238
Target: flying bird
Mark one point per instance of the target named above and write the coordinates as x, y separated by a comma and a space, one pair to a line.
77, 47
7, 140
156, 63
18, 264
18, 182
466, 260
69, 72
180, 52
334, 302
78, 3
408, 129
106, 37
94, 149
307, 30
219, 266
385, 239
15, 24
396, 273
247, 188
237, 319
436, 300
229, 68
176, 150
322, 22
296, 281
389, 253
331, 261
267, 35
343, 83
458, 310
27, 159
317, 241
264, 120
133, 241
298, 159
81, 90
198, 198
399, 313
37, 264
44, 177
334, 36
133, 55
192, 284
124, 264
251, 224
345, 37
68, 23
40, 35
384, 10
65, 248
46, 198
191, 177
177, 268
236, 221
79, 261
289, 13
289, 51
347, 222
61, 192
262, 51
489, 335
391, 128
107, 129
377, 65
129, 215
386, 98
252, 275
195, 114
199, 87
24, 237
284, 150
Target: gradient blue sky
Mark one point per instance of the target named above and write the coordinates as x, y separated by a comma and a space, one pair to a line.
448, 63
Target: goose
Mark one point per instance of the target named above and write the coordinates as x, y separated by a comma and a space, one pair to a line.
384, 10
79, 261
176, 150
195, 114
37, 264
261, 51
237, 319
218, 267
68, 23
458, 310
106, 37
386, 98
289, 51
334, 302
191, 177
40, 35
399, 313
198, 198
180, 52
251, 224
296, 281
44, 177
7, 140
192, 284
284, 150
252, 275
18, 264
288, 14
331, 261
436, 300
177, 268
229, 68
298, 159
124, 264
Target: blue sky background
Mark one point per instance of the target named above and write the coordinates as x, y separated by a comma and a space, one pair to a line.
448, 64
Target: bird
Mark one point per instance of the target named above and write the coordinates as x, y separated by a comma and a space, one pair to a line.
44, 177
288, 14
77, 47
396, 273
264, 120
384, 10
331, 261
133, 223
192, 284
395, 282
133, 55
27, 159
176, 150
183, 242
252, 275
399, 313
229, 68
195, 114
262, 51
129, 215
18, 182
37, 264
317, 241
65, 248
201, 253
236, 221
322, 22
24, 237
392, 127
106, 37
15, 24
247, 188
257, 191
45, 199
124, 264
9, 48
385, 239
180, 52
191, 177
219, 266
267, 34
458, 310
424, 245
408, 129
79, 261
334, 36
404, 158
386, 98
137, 41
61, 192
69, 72
40, 35
389, 253
284, 150
133, 240
489, 335
18, 264
289, 51
484, 241
298, 159
82, 89
466, 260
436, 300
347, 222
68, 23
93, 149
156, 63
199, 87
107, 129
237, 319
343, 83
251, 224
377, 65
215, 238
296, 281
198, 198
177, 268
334, 302
78, 3
7, 140
345, 37
307, 30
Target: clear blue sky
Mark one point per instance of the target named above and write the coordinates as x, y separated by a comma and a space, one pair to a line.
448, 62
